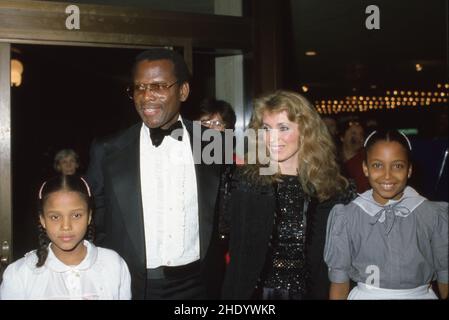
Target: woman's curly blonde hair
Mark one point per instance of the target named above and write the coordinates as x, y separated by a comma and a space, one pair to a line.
318, 172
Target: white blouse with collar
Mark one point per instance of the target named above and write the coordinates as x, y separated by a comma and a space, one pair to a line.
102, 275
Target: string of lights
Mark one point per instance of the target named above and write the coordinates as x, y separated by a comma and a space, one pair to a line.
391, 100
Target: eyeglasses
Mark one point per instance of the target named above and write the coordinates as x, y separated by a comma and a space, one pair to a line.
212, 123
156, 87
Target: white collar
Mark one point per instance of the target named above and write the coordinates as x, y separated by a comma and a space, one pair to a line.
410, 200
386, 214
53, 263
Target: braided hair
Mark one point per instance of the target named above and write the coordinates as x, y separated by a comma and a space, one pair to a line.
67, 183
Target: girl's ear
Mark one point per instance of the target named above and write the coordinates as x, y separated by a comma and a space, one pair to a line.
90, 217
42, 220
410, 171
365, 168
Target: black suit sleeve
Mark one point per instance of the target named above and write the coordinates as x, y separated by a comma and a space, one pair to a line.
96, 181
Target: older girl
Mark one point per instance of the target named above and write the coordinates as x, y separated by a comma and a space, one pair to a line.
390, 240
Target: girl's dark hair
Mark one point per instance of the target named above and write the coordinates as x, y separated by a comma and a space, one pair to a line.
67, 183
389, 135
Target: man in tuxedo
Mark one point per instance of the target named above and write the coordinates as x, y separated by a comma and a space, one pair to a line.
155, 200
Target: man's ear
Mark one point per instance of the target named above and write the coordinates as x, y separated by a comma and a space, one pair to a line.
90, 217
410, 171
365, 168
184, 91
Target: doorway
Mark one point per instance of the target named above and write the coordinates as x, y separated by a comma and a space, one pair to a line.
68, 96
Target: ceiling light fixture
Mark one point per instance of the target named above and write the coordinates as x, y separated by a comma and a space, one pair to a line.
16, 72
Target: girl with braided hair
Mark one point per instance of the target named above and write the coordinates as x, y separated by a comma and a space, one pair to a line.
67, 265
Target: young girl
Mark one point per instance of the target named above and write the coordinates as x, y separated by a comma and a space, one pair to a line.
66, 266
390, 240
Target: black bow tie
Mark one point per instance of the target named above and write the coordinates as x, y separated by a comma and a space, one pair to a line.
158, 134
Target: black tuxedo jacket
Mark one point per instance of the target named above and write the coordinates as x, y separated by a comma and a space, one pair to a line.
114, 177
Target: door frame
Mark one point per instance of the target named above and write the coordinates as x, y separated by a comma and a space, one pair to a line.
5, 155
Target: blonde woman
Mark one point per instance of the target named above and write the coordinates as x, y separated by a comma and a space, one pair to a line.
278, 221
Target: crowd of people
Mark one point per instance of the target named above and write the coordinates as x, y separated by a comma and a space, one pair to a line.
324, 212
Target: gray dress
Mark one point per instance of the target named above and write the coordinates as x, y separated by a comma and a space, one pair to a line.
406, 241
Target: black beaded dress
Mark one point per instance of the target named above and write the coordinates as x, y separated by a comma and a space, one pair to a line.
285, 274
275, 252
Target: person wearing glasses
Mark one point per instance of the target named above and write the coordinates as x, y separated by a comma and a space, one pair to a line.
155, 205
216, 114
219, 115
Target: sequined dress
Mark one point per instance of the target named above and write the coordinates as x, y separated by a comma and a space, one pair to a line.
284, 275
